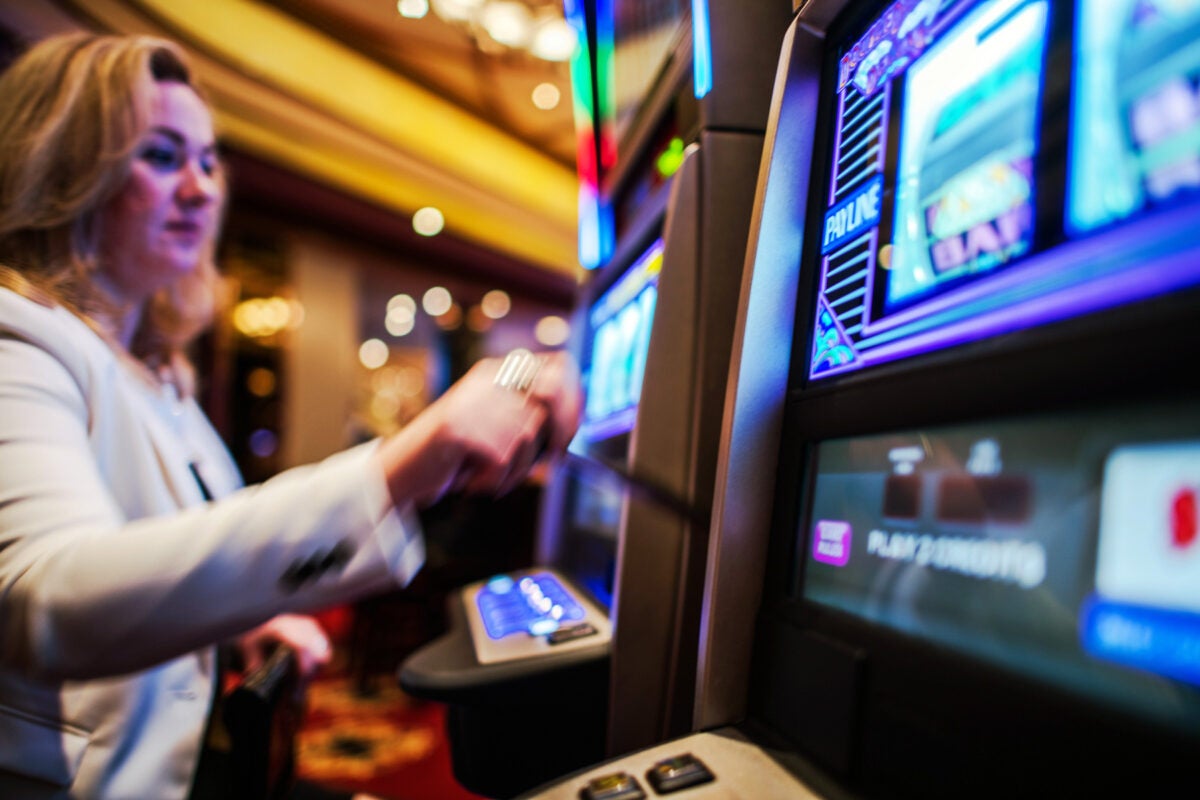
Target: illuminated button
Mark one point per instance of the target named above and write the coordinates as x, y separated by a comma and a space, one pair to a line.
618, 786
677, 773
541, 627
501, 584
508, 606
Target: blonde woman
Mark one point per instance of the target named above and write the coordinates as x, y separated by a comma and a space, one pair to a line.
128, 546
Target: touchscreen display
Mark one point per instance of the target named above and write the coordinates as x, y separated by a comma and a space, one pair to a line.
620, 321
1067, 549
1135, 140
949, 216
964, 183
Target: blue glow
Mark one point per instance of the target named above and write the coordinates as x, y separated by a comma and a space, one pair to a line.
596, 236
702, 48
539, 604
960, 263
620, 322
501, 584
590, 255
600, 589
1135, 127
1157, 640
263, 443
541, 627
964, 188
852, 216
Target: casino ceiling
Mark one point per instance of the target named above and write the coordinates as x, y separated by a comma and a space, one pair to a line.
387, 103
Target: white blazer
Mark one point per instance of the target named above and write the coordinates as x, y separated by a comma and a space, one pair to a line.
116, 577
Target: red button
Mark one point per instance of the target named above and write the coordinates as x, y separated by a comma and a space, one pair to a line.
1183, 518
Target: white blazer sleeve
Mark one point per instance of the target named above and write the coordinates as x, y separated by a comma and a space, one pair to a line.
85, 592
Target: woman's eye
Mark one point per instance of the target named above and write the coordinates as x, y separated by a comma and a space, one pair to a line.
211, 164
160, 157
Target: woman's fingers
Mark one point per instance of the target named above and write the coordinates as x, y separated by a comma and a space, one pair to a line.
484, 434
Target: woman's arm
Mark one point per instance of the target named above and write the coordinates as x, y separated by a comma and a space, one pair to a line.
86, 593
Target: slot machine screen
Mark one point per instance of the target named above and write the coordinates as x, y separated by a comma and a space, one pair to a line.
947, 216
1062, 548
620, 321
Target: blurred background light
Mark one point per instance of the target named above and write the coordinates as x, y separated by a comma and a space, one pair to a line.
554, 40
403, 301
400, 321
261, 382
546, 96
263, 443
373, 353
496, 304
428, 221
478, 320
451, 318
412, 9
508, 22
552, 330
436, 301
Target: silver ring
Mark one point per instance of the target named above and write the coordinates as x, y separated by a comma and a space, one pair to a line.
518, 370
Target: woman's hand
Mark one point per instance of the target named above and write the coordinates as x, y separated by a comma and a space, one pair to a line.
481, 437
302, 634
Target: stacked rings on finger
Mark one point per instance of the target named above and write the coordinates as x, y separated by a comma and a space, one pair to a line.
518, 370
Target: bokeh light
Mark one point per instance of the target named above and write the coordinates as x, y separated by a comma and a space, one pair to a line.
412, 9
451, 318
400, 321
373, 353
437, 301
263, 443
402, 301
261, 382
546, 96
496, 304
428, 221
552, 330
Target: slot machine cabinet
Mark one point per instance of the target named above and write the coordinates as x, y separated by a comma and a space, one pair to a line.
625, 521
969, 571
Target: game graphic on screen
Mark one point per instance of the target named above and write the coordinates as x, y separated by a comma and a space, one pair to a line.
620, 321
936, 176
1066, 549
954, 87
1135, 140
964, 188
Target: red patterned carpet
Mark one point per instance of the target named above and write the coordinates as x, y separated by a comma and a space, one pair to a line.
367, 735
383, 743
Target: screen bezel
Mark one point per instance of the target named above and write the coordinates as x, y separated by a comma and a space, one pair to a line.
907, 692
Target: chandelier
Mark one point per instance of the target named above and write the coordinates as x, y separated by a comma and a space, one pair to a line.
497, 26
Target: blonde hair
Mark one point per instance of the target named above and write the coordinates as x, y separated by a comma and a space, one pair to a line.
73, 110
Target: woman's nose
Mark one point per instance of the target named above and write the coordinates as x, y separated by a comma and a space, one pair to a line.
198, 185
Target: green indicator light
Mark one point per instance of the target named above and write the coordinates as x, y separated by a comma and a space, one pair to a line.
670, 160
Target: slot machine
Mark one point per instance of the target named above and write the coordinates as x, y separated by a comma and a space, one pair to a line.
591, 650
954, 548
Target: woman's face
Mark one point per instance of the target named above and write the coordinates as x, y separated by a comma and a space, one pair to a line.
160, 224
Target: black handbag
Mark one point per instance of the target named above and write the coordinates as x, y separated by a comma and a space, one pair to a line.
262, 717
